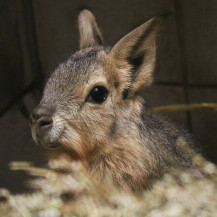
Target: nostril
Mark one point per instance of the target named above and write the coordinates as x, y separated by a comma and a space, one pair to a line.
45, 122
41, 112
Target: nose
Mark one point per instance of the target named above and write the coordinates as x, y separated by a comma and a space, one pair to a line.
42, 117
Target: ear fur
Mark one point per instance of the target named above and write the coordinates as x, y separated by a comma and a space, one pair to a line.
90, 34
135, 54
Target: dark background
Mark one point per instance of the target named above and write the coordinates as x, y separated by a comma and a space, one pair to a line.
36, 35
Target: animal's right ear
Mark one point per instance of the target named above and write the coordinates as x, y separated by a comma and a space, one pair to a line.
90, 34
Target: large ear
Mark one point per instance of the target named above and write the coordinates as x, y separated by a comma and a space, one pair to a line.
135, 54
90, 34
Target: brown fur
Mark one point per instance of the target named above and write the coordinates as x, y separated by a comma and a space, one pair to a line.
117, 141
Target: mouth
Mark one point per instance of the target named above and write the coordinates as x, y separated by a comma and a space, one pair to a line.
45, 140
49, 145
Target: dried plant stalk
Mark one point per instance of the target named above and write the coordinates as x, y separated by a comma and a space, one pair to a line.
184, 107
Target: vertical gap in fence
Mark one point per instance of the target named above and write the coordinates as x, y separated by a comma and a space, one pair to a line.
179, 19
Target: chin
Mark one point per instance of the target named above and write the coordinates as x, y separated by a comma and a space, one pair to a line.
48, 140
50, 145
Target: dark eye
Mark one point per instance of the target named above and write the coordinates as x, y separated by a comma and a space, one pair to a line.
98, 94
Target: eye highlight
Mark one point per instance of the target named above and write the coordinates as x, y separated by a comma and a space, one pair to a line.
98, 94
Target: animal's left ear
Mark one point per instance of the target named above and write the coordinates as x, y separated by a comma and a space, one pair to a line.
135, 54
90, 34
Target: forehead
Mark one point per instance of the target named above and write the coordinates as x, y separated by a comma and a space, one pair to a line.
78, 67
75, 72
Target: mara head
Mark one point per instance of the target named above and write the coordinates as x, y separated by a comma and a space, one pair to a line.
93, 96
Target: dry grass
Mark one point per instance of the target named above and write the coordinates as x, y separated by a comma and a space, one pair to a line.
64, 189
